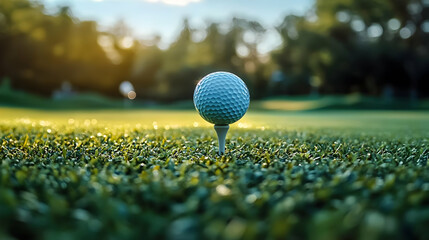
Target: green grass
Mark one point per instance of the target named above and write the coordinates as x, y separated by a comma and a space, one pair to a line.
90, 101
339, 102
156, 175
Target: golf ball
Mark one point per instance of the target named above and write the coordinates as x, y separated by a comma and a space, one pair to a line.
221, 98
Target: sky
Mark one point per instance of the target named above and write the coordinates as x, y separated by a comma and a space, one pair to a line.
165, 17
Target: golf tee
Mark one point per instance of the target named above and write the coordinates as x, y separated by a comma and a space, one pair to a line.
221, 131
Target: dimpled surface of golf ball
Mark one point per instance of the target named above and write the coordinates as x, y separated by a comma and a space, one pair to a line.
221, 98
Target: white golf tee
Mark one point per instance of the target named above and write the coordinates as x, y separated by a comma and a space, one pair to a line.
221, 131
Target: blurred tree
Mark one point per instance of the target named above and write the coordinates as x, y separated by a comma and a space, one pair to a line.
146, 71
247, 35
362, 46
178, 77
39, 51
338, 47
235, 50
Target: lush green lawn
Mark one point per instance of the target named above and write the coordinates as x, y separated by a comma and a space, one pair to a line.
155, 174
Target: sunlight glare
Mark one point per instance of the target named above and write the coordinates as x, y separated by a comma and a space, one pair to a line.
127, 42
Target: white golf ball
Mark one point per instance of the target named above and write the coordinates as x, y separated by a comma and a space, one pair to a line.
221, 98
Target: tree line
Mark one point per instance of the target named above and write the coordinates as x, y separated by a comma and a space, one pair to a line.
373, 47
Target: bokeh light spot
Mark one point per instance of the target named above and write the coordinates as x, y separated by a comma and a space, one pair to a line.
343, 16
132, 95
425, 26
127, 42
375, 30
394, 24
357, 25
242, 50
